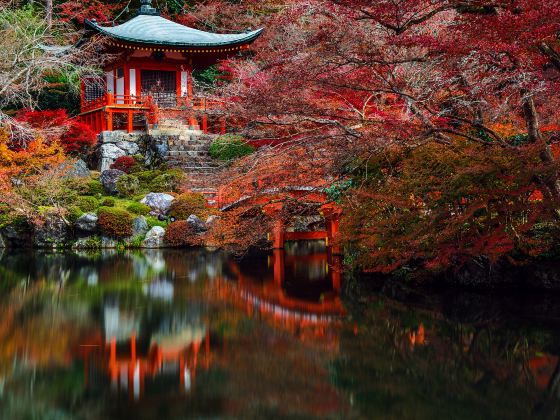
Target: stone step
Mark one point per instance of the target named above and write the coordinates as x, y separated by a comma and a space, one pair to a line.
188, 153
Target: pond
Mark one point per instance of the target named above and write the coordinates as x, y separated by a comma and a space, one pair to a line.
200, 334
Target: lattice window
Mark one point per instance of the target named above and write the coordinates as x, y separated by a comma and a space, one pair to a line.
161, 85
94, 88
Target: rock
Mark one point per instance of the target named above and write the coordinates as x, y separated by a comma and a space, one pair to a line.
108, 153
154, 237
158, 202
129, 147
139, 226
2, 242
108, 242
87, 222
109, 179
89, 242
54, 233
196, 224
77, 169
211, 220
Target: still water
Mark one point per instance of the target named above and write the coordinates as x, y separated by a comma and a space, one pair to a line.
197, 334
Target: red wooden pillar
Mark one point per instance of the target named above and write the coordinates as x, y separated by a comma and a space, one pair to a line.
129, 121
223, 125
109, 120
278, 235
278, 267
133, 346
113, 368
178, 87
205, 123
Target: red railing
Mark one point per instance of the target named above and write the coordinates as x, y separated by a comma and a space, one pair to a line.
138, 102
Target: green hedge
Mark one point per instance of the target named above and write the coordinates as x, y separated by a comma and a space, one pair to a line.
229, 147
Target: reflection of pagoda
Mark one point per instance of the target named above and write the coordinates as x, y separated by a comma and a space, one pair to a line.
173, 350
273, 299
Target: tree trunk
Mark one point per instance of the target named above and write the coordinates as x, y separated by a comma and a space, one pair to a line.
550, 181
49, 13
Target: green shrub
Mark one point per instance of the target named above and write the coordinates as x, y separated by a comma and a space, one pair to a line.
114, 222
108, 202
74, 212
154, 221
167, 181
87, 203
93, 187
229, 147
93, 242
138, 208
128, 185
186, 204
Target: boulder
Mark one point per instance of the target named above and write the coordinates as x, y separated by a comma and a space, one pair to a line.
211, 220
108, 242
154, 237
77, 169
129, 147
87, 222
139, 226
158, 202
53, 233
109, 179
108, 153
196, 224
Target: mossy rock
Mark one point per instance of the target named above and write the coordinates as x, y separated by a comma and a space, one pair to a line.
108, 202
87, 203
128, 185
138, 208
186, 204
114, 222
94, 188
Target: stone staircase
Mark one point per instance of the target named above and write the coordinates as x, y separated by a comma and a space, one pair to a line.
188, 149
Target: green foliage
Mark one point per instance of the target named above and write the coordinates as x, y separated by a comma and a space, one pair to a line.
108, 202
87, 203
186, 204
93, 187
61, 90
336, 191
74, 212
138, 208
208, 76
168, 181
154, 221
92, 242
115, 222
229, 147
128, 185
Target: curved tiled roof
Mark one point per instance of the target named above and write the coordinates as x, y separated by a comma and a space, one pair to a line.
156, 30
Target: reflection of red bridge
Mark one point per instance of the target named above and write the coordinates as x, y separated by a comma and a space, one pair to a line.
275, 200
128, 370
270, 300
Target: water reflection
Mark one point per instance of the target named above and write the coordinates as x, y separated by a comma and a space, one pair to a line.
170, 333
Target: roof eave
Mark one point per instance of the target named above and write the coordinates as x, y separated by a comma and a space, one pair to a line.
250, 38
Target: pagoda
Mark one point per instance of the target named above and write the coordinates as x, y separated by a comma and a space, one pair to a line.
152, 69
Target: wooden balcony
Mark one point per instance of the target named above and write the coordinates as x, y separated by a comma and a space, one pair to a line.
100, 112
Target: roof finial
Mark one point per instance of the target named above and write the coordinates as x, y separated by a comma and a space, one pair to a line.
147, 9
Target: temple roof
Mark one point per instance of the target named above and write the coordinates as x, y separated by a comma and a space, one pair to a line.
155, 30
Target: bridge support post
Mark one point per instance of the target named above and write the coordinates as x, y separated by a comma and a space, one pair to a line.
278, 266
278, 235
332, 215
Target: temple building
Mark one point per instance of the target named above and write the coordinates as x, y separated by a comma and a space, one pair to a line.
152, 71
